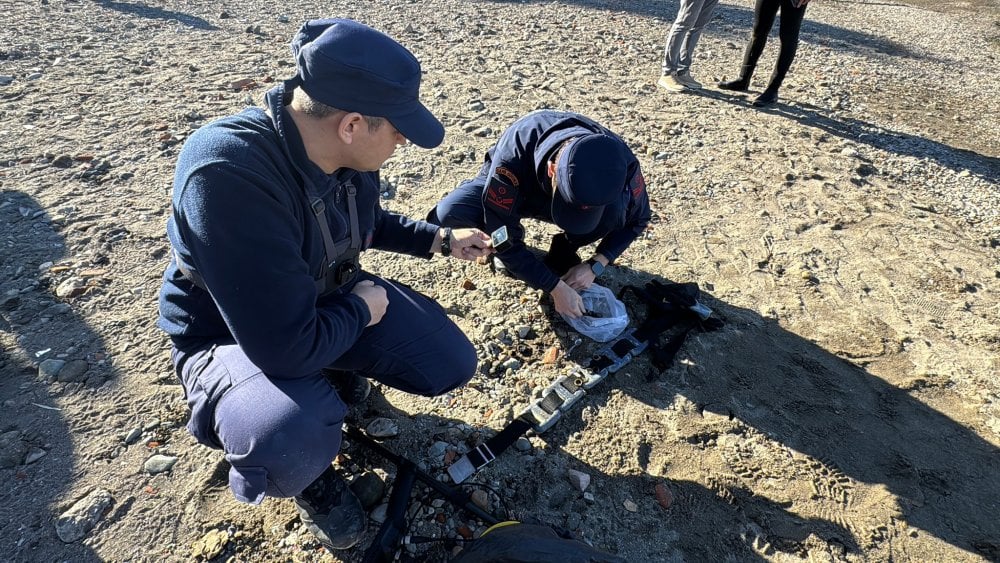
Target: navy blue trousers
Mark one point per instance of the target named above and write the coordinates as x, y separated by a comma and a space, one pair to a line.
280, 434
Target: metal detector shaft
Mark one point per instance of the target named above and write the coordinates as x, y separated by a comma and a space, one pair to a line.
407, 473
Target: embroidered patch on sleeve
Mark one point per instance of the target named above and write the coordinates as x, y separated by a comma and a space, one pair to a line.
638, 185
501, 193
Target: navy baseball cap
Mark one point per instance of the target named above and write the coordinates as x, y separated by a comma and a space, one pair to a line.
590, 177
350, 66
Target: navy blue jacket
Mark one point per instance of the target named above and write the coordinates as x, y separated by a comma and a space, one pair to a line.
518, 185
242, 222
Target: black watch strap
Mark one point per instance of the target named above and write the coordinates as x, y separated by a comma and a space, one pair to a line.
446, 241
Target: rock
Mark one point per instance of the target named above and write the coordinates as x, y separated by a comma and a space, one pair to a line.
71, 287
578, 479
49, 369
630, 506
133, 436
243, 84
159, 464
76, 522
382, 428
369, 488
523, 332
523, 444
63, 161
210, 545
663, 495
34, 454
467, 285
5, 79
436, 451
74, 370
480, 499
551, 355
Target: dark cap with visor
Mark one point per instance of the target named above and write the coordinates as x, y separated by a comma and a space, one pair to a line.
590, 177
350, 66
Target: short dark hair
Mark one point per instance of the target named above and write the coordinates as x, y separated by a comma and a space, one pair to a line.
319, 110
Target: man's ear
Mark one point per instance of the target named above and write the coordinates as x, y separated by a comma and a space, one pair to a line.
349, 125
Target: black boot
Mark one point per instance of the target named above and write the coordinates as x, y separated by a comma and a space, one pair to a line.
331, 511
740, 84
352, 386
766, 98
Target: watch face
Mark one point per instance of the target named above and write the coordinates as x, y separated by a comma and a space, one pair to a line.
500, 239
596, 267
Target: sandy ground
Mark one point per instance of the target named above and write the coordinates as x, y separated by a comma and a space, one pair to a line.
848, 410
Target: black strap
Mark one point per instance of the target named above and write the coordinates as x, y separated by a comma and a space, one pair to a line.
669, 305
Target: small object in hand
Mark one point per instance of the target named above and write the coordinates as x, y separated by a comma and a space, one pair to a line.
501, 241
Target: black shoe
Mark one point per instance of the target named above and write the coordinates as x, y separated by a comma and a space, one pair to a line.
352, 387
331, 511
738, 85
766, 98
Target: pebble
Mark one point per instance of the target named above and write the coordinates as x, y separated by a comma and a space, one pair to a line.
34, 454
382, 428
522, 444
133, 436
76, 522
578, 479
6, 79
74, 370
630, 506
663, 495
436, 451
49, 369
210, 545
159, 464
480, 499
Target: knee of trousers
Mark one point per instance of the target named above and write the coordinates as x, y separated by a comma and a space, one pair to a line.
454, 370
278, 446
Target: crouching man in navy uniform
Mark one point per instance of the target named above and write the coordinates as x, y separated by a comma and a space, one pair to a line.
560, 168
266, 300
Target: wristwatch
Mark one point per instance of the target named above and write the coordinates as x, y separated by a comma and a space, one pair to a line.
446, 241
595, 267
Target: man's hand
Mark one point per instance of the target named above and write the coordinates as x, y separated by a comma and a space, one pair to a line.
470, 244
375, 297
567, 301
579, 277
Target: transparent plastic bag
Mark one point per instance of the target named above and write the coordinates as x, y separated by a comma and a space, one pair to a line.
606, 316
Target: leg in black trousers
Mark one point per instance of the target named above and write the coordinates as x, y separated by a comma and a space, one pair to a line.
788, 33
764, 13
791, 21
